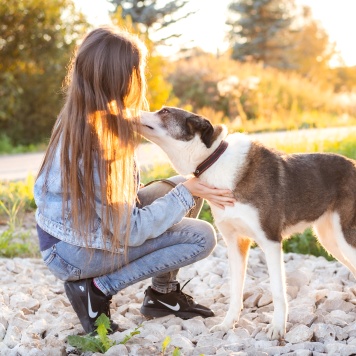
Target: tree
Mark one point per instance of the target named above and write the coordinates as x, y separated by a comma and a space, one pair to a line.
151, 15
258, 30
311, 50
36, 41
159, 90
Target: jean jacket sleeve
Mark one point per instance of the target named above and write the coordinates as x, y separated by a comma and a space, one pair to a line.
154, 219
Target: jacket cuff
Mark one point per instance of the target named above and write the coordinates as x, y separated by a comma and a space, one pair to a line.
184, 196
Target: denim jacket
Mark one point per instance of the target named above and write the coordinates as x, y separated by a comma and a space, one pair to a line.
146, 223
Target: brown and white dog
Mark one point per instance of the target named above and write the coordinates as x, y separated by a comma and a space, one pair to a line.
276, 194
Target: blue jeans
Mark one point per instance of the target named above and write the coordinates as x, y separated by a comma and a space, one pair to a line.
160, 258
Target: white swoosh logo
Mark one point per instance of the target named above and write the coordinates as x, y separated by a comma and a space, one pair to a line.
91, 313
173, 307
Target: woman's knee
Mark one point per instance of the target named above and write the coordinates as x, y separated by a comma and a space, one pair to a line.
209, 235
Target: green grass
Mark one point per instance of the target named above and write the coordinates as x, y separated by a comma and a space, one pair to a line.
15, 243
157, 172
7, 147
345, 146
12, 192
16, 198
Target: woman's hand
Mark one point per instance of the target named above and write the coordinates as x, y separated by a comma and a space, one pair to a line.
218, 197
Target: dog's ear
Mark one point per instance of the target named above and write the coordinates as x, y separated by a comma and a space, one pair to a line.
198, 123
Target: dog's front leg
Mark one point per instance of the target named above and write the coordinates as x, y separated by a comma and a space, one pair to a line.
275, 264
237, 249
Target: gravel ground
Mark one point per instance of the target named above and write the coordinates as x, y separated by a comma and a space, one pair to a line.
36, 317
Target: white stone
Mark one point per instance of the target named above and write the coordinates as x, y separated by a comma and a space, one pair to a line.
336, 295
324, 332
33, 305
195, 326
309, 345
252, 300
265, 299
173, 329
298, 278
181, 342
341, 349
117, 350
298, 334
21, 300
13, 336
337, 304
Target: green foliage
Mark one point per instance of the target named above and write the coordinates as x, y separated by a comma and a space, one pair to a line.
306, 244
345, 146
15, 199
103, 326
17, 193
275, 33
157, 172
15, 243
205, 213
100, 342
6, 146
130, 335
250, 97
36, 42
165, 344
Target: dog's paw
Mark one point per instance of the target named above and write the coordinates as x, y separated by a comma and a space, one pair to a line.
220, 327
275, 332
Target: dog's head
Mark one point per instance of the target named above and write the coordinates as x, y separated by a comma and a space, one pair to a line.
182, 135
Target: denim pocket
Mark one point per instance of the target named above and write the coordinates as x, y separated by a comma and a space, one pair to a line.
59, 266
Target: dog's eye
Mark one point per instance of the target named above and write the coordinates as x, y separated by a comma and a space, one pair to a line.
163, 111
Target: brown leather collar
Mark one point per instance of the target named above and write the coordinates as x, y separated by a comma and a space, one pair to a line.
202, 167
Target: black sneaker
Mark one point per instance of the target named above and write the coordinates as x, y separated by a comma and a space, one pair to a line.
88, 305
176, 302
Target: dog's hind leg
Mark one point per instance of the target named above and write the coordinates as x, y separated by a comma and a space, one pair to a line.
237, 249
337, 240
274, 258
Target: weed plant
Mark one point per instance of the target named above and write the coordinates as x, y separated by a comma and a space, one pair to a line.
16, 198
99, 342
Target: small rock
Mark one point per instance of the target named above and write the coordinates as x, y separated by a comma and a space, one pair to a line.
298, 334
252, 300
195, 326
265, 299
336, 304
324, 332
181, 342
117, 350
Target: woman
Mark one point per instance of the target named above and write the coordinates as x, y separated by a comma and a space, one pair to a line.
97, 231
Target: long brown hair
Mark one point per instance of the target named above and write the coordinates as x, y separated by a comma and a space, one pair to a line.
97, 132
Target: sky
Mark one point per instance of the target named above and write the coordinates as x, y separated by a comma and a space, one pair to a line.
206, 28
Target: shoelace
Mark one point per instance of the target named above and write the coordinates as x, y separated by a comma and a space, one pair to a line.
187, 297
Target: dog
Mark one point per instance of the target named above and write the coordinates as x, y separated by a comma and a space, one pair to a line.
276, 195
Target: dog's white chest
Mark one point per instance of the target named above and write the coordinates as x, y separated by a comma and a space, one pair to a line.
243, 219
